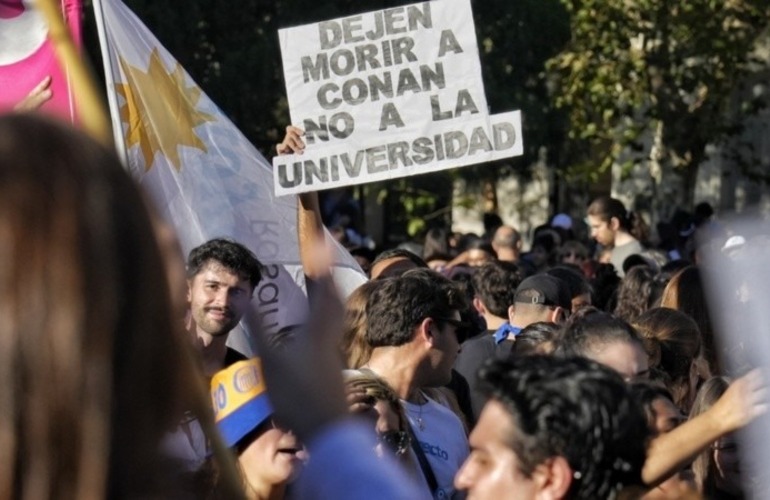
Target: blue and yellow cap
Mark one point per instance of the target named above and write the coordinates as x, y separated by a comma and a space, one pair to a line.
239, 397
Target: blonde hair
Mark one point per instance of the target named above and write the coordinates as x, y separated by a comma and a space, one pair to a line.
378, 389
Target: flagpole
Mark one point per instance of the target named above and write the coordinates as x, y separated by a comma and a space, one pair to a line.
109, 79
90, 109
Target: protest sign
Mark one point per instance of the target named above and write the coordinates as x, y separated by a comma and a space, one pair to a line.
388, 94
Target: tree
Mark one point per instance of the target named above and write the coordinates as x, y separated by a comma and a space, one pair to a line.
515, 42
660, 71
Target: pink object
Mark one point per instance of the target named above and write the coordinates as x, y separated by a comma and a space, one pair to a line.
27, 56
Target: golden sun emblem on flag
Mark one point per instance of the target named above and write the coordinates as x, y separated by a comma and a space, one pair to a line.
160, 111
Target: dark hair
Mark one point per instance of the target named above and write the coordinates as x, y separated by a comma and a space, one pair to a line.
646, 393
230, 254
605, 285
548, 240
607, 208
495, 285
589, 329
685, 292
572, 246
400, 253
394, 309
639, 290
481, 244
436, 244
537, 338
574, 280
491, 222
672, 341
576, 409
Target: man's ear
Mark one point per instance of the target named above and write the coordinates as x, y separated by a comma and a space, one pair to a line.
189, 291
479, 306
558, 315
614, 224
553, 479
426, 332
511, 312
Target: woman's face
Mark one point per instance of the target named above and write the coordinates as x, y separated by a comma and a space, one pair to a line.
667, 415
274, 457
601, 230
478, 257
727, 464
574, 257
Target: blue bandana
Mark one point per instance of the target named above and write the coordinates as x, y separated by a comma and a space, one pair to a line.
504, 331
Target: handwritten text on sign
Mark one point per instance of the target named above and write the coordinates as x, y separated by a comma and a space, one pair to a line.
388, 94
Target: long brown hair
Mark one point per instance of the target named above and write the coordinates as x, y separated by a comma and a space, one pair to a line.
685, 293
91, 362
704, 466
672, 341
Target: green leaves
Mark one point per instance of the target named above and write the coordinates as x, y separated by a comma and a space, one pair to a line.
633, 63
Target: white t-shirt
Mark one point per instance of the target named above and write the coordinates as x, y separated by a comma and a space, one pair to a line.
441, 435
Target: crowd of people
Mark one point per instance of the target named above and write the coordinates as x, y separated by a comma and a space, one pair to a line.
578, 369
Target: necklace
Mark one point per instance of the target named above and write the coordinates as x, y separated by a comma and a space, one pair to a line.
418, 419
420, 422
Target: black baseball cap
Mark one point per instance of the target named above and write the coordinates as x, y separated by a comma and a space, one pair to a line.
543, 289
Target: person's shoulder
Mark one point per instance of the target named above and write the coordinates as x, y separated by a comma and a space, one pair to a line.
474, 352
482, 341
632, 246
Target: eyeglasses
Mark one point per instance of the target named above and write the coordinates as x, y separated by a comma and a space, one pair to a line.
397, 442
573, 255
454, 322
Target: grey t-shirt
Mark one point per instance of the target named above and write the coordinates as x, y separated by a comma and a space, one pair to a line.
622, 252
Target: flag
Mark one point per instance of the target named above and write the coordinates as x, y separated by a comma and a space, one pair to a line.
27, 56
203, 174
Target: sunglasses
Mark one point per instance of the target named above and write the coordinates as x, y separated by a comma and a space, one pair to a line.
397, 442
462, 328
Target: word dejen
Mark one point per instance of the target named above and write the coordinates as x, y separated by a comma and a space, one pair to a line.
451, 145
387, 22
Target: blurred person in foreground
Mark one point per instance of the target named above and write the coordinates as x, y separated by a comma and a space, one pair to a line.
93, 367
554, 428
